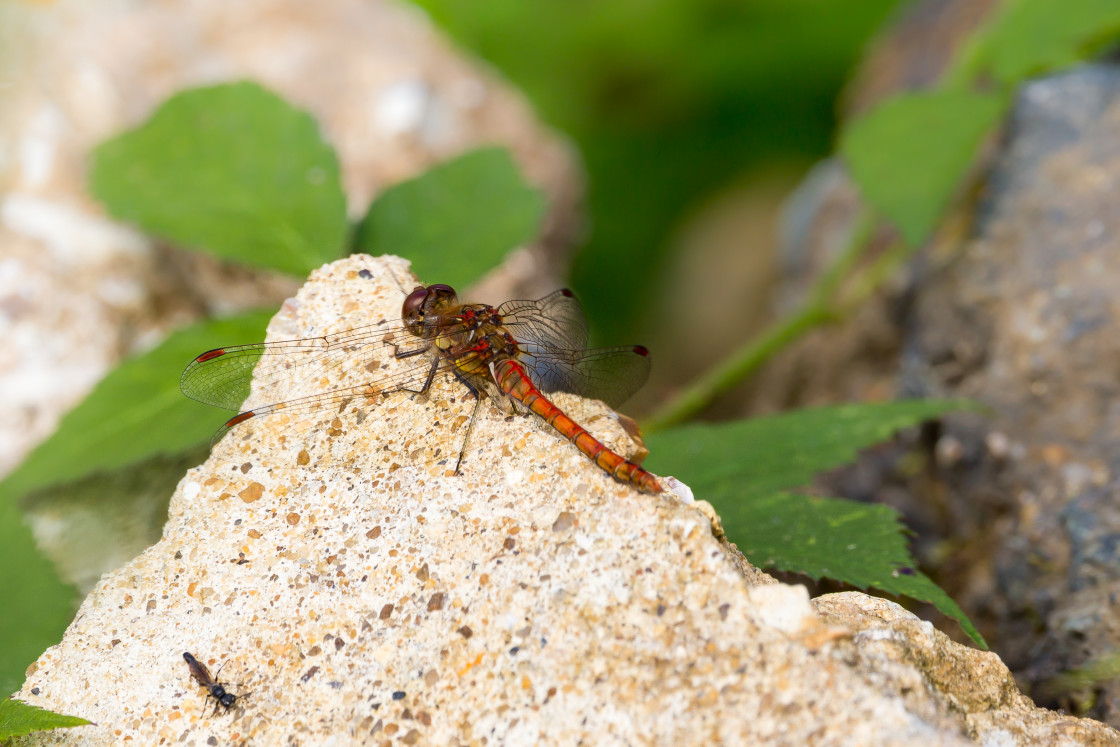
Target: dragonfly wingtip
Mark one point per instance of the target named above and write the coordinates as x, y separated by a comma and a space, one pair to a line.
239, 418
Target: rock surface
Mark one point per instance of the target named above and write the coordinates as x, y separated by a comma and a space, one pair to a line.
530, 599
1025, 320
1014, 306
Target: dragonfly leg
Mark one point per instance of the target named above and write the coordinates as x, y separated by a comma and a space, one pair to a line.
398, 353
427, 381
474, 414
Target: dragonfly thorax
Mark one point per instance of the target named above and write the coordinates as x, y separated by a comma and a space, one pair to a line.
434, 313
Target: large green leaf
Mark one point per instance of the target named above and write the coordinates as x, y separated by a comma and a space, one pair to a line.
861, 544
38, 606
744, 469
1035, 36
909, 155
232, 169
17, 718
135, 412
457, 220
764, 455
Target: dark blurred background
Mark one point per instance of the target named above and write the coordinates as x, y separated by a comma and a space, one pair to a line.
694, 119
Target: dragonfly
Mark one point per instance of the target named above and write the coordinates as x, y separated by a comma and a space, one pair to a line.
515, 354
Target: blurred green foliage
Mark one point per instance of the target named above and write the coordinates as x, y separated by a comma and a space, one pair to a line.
456, 220
29, 584
911, 154
135, 413
1032, 37
668, 100
231, 169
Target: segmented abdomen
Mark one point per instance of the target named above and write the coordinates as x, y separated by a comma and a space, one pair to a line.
512, 380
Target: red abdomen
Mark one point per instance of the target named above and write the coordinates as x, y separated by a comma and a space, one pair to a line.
512, 380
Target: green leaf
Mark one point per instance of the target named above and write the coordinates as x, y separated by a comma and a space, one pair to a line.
232, 169
670, 102
764, 455
18, 718
910, 154
861, 544
456, 221
37, 604
1035, 36
135, 412
743, 468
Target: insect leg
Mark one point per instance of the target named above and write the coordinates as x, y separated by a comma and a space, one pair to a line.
398, 353
474, 413
397, 281
427, 382
219, 672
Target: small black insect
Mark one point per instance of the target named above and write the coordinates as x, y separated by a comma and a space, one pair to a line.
217, 691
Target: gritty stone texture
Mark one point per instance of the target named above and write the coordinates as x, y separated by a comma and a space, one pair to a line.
531, 599
907, 655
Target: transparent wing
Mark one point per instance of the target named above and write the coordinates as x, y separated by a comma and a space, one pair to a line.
553, 322
310, 429
310, 391
612, 375
552, 335
221, 377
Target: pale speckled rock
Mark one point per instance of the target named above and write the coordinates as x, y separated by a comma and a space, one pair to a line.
909, 656
530, 599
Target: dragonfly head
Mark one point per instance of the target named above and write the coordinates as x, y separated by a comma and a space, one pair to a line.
423, 305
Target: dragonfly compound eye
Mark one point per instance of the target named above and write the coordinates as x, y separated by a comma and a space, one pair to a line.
413, 310
440, 296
